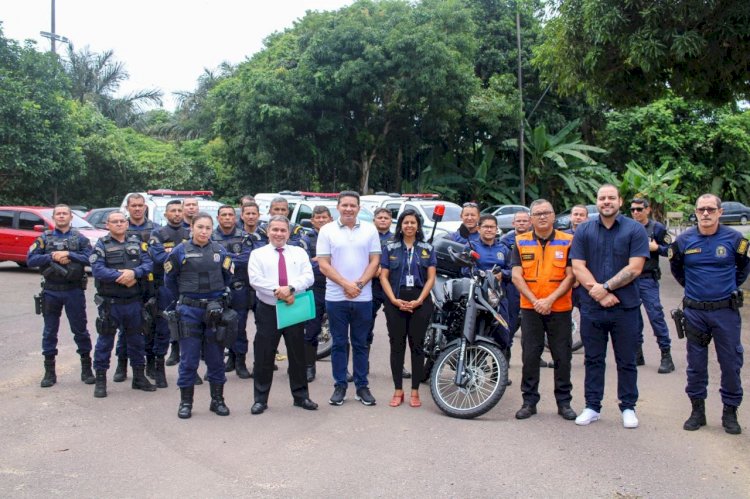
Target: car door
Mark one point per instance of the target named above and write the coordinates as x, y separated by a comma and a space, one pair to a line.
26, 235
7, 235
730, 212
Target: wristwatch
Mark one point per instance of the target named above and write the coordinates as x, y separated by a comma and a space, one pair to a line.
291, 289
606, 286
360, 285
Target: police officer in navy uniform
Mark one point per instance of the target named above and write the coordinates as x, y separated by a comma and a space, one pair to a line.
407, 275
280, 206
648, 283
711, 261
61, 255
250, 216
238, 244
140, 226
321, 216
162, 242
199, 272
119, 263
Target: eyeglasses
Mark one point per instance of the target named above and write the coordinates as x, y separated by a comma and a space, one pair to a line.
638, 209
493, 227
710, 209
542, 214
118, 221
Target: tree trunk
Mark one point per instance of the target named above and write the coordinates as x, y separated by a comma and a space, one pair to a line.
398, 169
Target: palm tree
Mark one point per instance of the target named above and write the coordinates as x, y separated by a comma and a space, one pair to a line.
95, 78
559, 166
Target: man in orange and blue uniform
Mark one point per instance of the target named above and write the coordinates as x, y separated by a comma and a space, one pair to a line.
543, 275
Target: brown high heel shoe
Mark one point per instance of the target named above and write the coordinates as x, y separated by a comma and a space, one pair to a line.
397, 399
414, 401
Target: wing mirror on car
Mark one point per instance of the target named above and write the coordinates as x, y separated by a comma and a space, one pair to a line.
39, 228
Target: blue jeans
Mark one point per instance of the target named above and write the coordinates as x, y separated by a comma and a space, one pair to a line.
649, 289
349, 319
597, 325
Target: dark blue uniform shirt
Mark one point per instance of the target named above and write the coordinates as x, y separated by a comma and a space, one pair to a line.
172, 273
37, 256
402, 262
103, 273
491, 254
710, 267
239, 250
455, 236
607, 251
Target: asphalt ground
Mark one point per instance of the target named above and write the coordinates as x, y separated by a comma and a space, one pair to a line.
61, 441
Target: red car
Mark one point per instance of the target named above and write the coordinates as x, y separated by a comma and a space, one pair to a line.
21, 225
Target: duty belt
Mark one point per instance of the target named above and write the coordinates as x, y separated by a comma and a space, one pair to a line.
51, 286
121, 301
706, 305
199, 303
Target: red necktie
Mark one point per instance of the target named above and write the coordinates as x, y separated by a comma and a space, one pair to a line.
283, 281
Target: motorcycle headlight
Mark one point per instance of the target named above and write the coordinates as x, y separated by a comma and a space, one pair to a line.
493, 297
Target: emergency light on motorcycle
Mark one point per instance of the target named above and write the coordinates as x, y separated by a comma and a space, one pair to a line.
438, 212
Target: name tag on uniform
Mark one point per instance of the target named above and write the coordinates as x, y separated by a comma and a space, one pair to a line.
559, 255
410, 281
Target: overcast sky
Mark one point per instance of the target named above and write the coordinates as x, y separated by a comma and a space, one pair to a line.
164, 44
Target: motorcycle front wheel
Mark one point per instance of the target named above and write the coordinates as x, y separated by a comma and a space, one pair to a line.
487, 372
325, 340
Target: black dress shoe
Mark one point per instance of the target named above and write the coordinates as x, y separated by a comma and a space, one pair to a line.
566, 412
526, 411
306, 404
258, 408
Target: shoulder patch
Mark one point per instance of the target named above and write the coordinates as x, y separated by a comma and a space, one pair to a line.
743, 247
144, 246
168, 267
40, 242
667, 238
33, 247
93, 258
227, 263
670, 253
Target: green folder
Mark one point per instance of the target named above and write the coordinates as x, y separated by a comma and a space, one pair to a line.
303, 309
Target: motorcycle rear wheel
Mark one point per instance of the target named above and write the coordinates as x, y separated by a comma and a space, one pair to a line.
325, 340
487, 369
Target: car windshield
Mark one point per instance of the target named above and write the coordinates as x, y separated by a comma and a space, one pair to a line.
76, 223
452, 212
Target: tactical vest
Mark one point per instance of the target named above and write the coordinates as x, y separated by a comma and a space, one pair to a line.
143, 233
120, 256
170, 237
201, 269
544, 267
397, 262
233, 245
68, 242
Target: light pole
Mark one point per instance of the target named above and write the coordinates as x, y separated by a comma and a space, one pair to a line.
54, 37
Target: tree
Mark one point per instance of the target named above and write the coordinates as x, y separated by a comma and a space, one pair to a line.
37, 138
628, 52
96, 78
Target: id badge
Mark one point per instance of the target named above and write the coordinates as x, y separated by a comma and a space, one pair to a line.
409, 281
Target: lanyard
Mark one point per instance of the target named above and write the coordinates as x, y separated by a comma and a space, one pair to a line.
409, 258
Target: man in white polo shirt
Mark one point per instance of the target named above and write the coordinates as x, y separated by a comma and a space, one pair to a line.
348, 255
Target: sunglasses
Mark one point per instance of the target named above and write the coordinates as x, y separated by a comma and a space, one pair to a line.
470, 205
711, 210
541, 214
635, 208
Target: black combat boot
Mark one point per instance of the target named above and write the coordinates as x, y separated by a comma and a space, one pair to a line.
174, 355
121, 373
229, 366
241, 366
666, 366
639, 359
729, 420
160, 375
186, 403
151, 366
140, 381
697, 417
87, 375
311, 355
217, 400
50, 378
100, 389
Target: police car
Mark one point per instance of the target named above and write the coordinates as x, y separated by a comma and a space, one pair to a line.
156, 202
301, 210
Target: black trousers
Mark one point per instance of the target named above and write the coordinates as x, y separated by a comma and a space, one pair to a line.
403, 325
267, 337
557, 327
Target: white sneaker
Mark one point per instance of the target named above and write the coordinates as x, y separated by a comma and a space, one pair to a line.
587, 417
629, 419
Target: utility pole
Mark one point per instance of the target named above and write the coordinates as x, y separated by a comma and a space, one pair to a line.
521, 165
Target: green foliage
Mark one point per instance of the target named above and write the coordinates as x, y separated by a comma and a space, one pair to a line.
634, 51
661, 186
